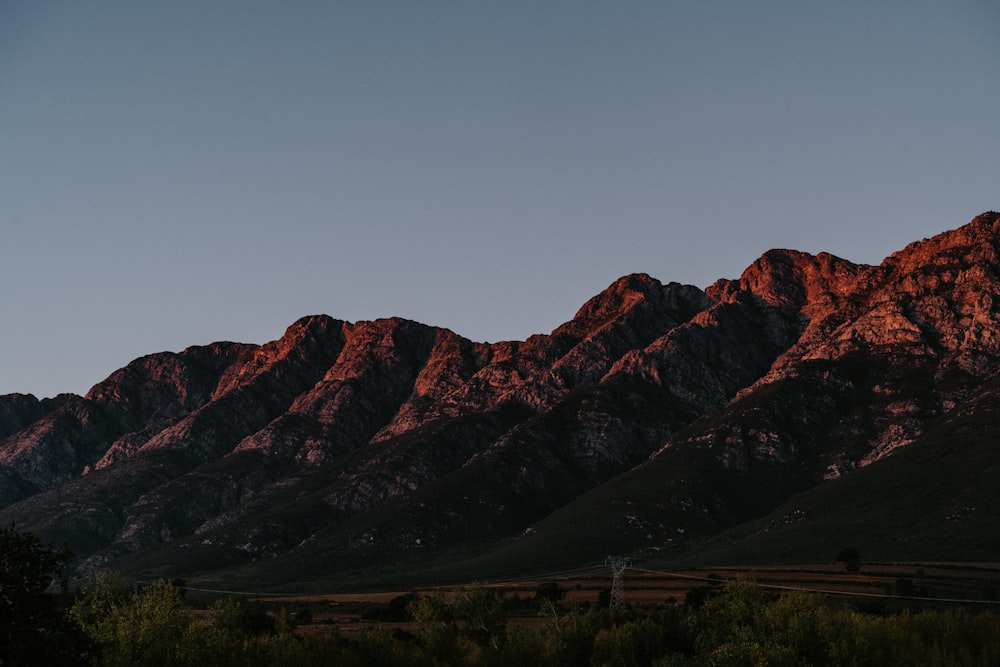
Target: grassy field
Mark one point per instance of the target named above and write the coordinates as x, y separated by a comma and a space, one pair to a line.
878, 587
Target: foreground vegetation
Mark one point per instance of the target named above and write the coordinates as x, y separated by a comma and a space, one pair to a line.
109, 623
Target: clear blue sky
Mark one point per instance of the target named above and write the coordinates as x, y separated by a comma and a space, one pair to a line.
174, 173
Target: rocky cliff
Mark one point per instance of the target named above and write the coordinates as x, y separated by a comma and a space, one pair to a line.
659, 414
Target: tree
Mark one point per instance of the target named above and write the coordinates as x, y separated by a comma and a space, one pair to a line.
241, 618
851, 559
483, 612
34, 628
548, 595
550, 591
132, 628
436, 627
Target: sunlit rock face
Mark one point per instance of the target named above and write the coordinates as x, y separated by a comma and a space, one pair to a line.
366, 442
912, 337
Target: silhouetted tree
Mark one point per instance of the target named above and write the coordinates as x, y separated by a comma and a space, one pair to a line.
34, 626
848, 554
851, 559
550, 591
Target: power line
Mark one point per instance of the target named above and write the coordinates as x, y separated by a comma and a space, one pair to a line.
618, 565
592, 569
820, 591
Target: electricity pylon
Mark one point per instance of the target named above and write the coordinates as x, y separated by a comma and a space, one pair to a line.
618, 565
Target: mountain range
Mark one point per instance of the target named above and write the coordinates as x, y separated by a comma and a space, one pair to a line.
810, 405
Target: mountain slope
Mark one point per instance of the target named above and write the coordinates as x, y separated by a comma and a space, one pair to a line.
904, 347
659, 416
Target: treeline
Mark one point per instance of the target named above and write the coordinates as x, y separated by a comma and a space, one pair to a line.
109, 623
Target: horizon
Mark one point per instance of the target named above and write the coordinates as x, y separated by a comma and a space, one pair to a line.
178, 175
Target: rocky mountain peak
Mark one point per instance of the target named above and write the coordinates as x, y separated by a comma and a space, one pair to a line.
793, 279
926, 312
975, 242
616, 299
305, 339
165, 385
19, 410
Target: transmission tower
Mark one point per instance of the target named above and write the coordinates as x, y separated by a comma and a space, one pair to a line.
618, 565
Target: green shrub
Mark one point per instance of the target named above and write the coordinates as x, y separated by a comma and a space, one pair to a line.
632, 644
129, 628
741, 626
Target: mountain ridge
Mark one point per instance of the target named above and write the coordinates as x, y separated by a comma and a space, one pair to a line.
661, 414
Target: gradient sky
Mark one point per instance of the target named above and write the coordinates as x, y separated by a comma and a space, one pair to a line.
175, 173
